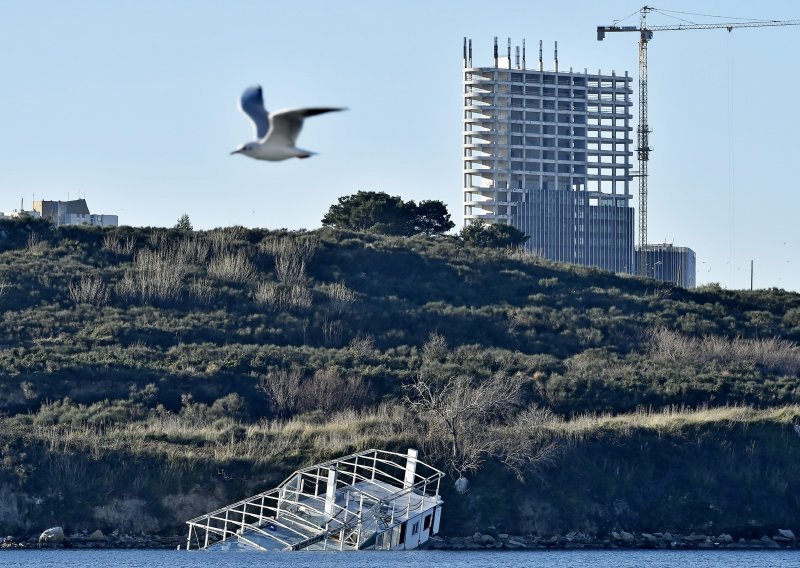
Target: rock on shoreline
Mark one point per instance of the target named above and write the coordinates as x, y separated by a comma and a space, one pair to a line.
784, 538
95, 540
618, 539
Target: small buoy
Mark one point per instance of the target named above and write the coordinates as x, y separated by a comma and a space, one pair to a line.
461, 485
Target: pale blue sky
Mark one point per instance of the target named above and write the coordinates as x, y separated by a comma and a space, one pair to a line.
132, 104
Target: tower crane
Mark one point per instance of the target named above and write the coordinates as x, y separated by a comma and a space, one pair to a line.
643, 148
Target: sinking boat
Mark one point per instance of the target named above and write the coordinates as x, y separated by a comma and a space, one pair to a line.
371, 500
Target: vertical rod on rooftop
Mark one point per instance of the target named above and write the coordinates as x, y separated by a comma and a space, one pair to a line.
261, 512
391, 518
225, 526
208, 526
341, 539
541, 62
374, 464
189, 538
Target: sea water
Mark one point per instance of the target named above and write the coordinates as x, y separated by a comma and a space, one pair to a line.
410, 559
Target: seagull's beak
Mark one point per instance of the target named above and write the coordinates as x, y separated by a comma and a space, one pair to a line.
236, 152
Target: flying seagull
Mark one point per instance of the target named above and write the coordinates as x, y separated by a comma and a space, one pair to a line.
275, 132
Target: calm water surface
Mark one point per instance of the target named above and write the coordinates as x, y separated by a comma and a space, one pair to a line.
415, 559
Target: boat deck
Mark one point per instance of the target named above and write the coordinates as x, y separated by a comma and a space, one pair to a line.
345, 504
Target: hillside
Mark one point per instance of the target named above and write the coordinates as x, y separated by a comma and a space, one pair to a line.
148, 374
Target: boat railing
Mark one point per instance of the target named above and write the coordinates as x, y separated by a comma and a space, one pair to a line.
308, 509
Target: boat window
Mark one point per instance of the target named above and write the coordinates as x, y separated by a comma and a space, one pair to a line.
426, 524
415, 528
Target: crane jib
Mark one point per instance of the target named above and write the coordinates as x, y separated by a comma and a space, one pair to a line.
643, 147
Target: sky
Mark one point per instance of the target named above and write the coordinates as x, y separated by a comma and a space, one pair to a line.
133, 105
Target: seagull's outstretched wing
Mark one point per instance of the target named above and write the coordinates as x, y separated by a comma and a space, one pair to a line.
252, 104
285, 125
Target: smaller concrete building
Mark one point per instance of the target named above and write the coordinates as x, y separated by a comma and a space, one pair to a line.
74, 212
669, 263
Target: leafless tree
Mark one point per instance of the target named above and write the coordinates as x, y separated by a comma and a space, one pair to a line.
528, 442
279, 297
282, 388
340, 297
113, 243
89, 290
460, 412
435, 347
331, 391
362, 345
203, 291
291, 255
233, 266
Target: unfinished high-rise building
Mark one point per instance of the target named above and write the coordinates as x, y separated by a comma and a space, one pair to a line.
548, 152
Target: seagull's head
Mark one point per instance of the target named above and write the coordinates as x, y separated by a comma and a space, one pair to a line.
245, 149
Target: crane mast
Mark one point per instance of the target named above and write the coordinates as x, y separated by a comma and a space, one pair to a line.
643, 137
643, 131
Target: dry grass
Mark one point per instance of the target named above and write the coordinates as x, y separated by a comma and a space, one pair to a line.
35, 245
279, 297
669, 347
291, 255
340, 297
672, 420
180, 436
112, 243
89, 290
225, 238
232, 266
187, 436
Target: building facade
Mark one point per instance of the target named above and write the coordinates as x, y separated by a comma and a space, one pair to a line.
668, 263
74, 212
549, 153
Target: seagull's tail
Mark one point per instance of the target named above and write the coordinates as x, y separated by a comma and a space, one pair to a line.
305, 153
